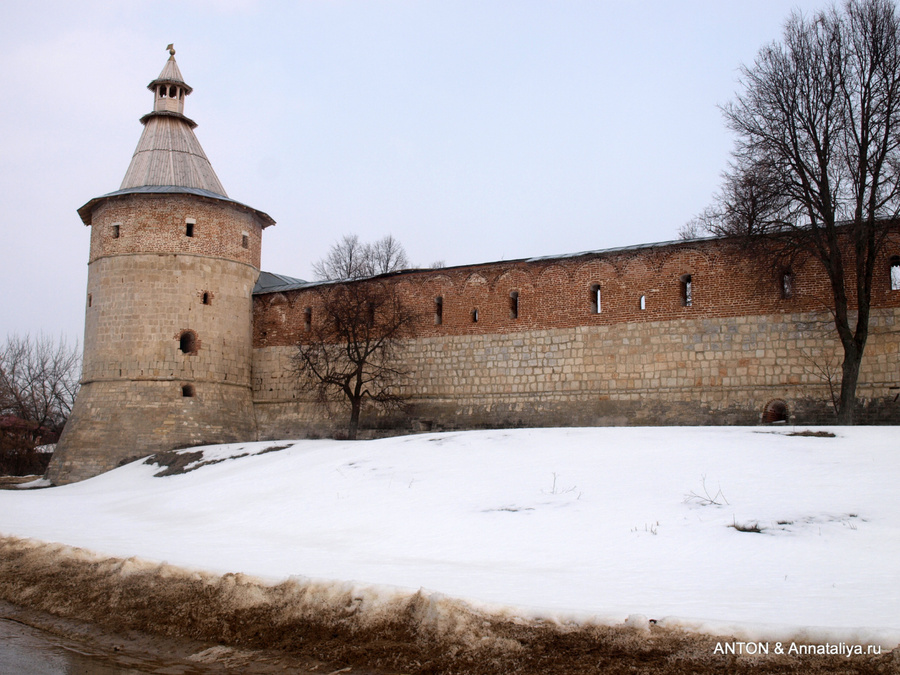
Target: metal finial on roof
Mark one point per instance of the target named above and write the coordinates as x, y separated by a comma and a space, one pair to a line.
171, 49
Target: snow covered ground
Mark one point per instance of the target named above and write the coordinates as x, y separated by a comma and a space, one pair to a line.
597, 523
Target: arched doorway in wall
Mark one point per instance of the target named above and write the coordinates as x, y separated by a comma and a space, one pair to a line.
775, 411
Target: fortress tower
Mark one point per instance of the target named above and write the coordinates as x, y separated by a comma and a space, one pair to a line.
167, 344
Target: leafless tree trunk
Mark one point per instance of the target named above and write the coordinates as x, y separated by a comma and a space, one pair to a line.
350, 353
817, 160
38, 383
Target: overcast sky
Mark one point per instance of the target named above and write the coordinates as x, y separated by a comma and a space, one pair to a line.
472, 131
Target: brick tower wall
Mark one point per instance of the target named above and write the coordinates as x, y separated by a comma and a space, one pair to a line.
154, 292
747, 338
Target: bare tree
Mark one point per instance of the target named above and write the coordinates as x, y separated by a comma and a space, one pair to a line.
817, 159
350, 258
388, 255
38, 383
38, 379
350, 353
692, 229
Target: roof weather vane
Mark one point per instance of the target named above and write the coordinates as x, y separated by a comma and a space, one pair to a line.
171, 49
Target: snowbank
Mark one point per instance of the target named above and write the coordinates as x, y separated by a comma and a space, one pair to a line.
746, 532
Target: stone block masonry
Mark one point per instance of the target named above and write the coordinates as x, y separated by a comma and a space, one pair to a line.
168, 313
675, 372
118, 421
178, 350
168, 339
568, 341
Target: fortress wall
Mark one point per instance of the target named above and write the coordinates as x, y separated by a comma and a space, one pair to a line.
557, 292
149, 285
157, 223
676, 372
117, 421
739, 345
140, 304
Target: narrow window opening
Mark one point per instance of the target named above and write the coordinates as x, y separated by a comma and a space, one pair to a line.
474, 316
189, 227
187, 342
90, 299
187, 390
245, 241
687, 298
514, 305
438, 311
172, 91
307, 318
115, 231
162, 92
643, 302
595, 299
895, 273
787, 285
206, 298
370, 314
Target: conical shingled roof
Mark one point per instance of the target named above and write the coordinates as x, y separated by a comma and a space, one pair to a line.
170, 74
169, 152
168, 158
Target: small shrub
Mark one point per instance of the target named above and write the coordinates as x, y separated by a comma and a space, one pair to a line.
746, 527
704, 498
19, 461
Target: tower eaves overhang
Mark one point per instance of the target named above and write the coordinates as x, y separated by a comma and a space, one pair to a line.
86, 211
165, 113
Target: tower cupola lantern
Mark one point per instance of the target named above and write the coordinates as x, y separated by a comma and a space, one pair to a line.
169, 89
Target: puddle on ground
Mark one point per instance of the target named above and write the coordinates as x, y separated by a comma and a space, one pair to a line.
29, 651
35, 643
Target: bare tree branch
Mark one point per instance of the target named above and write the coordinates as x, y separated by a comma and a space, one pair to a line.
38, 383
351, 353
815, 169
350, 258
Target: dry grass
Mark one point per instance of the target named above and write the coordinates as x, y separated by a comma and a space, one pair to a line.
414, 634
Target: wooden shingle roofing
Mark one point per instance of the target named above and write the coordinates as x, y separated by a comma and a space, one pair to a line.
170, 154
168, 157
171, 74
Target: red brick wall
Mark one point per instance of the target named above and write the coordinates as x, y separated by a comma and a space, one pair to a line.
556, 292
155, 223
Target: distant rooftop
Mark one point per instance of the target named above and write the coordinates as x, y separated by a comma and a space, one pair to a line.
275, 283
